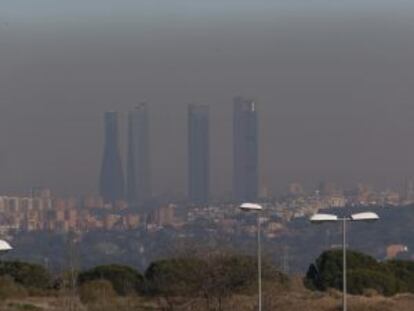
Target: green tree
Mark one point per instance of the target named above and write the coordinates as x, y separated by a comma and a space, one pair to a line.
212, 277
361, 279
125, 280
403, 270
326, 273
176, 277
26, 274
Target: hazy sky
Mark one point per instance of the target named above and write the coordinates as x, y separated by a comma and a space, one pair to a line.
334, 81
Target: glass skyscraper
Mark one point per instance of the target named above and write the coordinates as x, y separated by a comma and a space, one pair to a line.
138, 174
198, 154
111, 183
245, 150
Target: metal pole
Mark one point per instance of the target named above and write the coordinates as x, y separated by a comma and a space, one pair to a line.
344, 289
259, 263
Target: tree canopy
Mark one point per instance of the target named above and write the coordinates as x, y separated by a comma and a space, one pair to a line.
124, 279
363, 272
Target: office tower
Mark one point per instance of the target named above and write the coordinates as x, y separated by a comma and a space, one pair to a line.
245, 150
112, 178
138, 174
408, 191
198, 154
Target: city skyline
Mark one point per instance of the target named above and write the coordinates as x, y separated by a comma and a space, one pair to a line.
334, 83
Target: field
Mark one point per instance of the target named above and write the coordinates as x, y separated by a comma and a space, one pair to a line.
296, 298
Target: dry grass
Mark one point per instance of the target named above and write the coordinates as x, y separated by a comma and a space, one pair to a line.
296, 298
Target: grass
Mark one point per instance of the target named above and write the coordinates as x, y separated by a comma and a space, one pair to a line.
292, 299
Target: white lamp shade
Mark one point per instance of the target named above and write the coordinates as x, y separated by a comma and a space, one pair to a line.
4, 246
317, 218
251, 207
366, 216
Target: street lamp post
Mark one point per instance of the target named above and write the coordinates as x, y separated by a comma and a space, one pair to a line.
4, 247
322, 218
252, 207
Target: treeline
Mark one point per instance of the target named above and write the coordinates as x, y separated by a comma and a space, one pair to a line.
364, 273
211, 278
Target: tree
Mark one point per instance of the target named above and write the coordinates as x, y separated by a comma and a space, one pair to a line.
403, 270
125, 280
212, 277
178, 276
26, 274
363, 272
362, 279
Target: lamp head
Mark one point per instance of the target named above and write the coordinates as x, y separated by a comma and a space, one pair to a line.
4, 246
366, 216
251, 207
321, 218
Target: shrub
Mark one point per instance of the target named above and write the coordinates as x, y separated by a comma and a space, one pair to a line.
364, 272
383, 283
125, 280
212, 276
179, 276
26, 274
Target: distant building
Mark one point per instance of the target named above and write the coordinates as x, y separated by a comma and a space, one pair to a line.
327, 188
111, 184
198, 154
245, 150
408, 192
336, 200
395, 249
295, 188
139, 172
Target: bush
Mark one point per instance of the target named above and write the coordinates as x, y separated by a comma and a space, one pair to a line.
26, 274
96, 291
384, 283
125, 280
327, 271
216, 275
403, 270
364, 272
177, 277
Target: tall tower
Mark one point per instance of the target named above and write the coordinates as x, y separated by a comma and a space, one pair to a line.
111, 183
198, 154
138, 174
245, 150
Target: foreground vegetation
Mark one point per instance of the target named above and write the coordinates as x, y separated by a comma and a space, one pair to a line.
363, 273
209, 282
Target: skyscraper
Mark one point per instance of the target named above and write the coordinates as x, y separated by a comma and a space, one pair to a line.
198, 154
245, 150
111, 183
138, 174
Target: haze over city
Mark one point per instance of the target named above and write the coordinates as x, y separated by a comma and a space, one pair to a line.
333, 83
